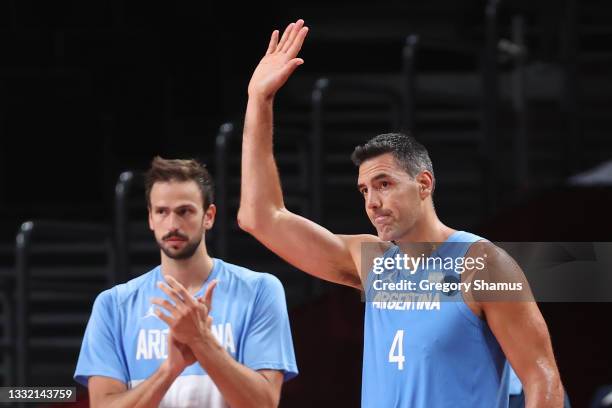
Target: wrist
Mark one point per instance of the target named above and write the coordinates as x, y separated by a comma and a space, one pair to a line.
170, 370
205, 346
261, 98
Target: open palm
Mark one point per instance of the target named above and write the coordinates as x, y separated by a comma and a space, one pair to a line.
279, 62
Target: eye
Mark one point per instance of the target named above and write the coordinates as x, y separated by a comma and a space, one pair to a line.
363, 191
384, 185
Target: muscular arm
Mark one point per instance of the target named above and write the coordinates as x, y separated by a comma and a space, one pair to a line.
299, 241
109, 392
240, 386
521, 331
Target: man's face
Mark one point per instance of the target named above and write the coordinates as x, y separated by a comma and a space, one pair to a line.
177, 217
393, 199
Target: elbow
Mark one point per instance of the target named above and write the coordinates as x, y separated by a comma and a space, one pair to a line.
250, 221
246, 220
254, 221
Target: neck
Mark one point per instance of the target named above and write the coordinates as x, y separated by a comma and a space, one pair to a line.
428, 229
191, 272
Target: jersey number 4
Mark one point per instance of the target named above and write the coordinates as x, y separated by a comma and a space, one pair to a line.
396, 352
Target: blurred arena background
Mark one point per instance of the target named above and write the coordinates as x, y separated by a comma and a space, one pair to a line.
512, 98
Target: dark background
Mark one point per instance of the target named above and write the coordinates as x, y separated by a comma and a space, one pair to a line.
91, 89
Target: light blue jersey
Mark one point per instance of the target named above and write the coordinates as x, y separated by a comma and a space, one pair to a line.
515, 387
126, 341
430, 351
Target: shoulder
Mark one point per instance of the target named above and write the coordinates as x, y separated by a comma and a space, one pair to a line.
270, 284
119, 294
499, 276
247, 279
364, 248
106, 298
493, 255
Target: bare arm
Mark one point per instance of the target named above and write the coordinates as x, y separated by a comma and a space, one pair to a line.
521, 331
301, 242
109, 392
240, 386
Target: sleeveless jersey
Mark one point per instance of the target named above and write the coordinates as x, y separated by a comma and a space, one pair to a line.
429, 350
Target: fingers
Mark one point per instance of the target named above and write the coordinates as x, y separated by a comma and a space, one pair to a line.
292, 35
180, 290
290, 67
169, 321
298, 41
290, 43
285, 36
169, 307
178, 302
204, 312
209, 293
183, 300
273, 42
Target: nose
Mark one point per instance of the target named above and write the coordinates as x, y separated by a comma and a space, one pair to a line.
173, 222
372, 200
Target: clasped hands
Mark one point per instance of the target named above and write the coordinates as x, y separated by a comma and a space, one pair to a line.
189, 321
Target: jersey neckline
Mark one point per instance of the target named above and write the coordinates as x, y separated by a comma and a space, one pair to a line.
214, 272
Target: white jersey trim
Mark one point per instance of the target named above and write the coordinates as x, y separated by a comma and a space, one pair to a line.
189, 391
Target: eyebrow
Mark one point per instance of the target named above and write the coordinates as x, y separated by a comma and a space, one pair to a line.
377, 177
180, 207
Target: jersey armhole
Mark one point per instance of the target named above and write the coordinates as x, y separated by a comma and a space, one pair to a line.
462, 305
469, 314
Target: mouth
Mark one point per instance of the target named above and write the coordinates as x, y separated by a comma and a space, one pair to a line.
174, 240
381, 219
174, 236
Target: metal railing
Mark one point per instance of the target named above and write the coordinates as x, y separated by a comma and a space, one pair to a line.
25, 243
7, 342
409, 55
322, 89
123, 188
224, 138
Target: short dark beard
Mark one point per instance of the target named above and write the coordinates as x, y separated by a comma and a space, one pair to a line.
186, 253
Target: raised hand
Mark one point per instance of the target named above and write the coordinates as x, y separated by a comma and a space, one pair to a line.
279, 62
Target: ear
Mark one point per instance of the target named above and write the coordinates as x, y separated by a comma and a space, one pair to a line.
426, 183
209, 217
